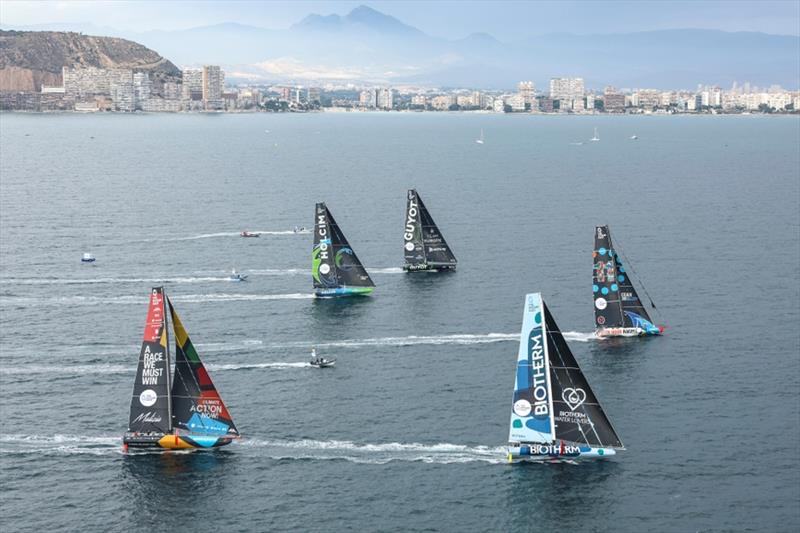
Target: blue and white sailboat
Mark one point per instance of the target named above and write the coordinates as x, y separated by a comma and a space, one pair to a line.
554, 413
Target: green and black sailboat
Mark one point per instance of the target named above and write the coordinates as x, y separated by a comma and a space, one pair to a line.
424, 245
335, 267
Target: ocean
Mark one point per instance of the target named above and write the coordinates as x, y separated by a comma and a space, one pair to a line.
408, 431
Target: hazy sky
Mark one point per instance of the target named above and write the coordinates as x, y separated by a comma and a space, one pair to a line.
506, 20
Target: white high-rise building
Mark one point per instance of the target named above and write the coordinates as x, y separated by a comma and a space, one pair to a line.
385, 98
213, 83
142, 88
192, 86
566, 88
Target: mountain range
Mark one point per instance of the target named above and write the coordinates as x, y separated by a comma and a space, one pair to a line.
366, 45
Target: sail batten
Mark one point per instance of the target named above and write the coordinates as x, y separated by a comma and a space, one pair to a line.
335, 265
424, 245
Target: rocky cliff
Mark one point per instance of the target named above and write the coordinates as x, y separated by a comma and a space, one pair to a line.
29, 59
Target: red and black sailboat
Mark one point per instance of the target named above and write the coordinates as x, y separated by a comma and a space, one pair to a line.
174, 410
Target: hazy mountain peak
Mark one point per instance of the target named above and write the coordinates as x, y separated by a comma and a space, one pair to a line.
361, 17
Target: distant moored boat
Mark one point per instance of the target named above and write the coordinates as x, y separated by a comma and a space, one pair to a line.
87, 258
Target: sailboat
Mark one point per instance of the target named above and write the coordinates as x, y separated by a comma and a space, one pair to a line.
425, 247
479, 140
335, 267
596, 136
174, 410
554, 413
618, 311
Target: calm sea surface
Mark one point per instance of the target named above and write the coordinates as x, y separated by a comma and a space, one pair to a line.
408, 431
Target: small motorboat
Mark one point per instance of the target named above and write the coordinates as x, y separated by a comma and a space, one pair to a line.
634, 137
320, 362
249, 234
88, 258
237, 276
300, 229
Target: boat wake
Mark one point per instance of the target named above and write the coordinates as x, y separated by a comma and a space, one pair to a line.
442, 453
89, 281
305, 449
28, 301
59, 444
82, 370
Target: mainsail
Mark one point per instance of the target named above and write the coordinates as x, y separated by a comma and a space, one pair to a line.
196, 405
334, 264
424, 245
552, 400
578, 416
616, 303
150, 402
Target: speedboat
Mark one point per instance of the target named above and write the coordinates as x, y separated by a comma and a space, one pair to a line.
249, 234
237, 276
320, 362
88, 258
634, 137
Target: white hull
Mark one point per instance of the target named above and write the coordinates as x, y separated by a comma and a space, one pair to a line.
550, 452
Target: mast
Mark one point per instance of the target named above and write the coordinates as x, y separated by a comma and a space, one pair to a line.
169, 365
547, 365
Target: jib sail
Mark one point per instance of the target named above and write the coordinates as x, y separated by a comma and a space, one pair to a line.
334, 263
150, 402
531, 405
578, 416
424, 243
196, 405
616, 303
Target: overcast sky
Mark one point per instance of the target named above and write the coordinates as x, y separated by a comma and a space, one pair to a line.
506, 20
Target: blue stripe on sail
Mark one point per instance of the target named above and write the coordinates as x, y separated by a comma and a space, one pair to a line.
203, 424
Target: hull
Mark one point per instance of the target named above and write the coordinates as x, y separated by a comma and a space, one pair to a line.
429, 268
626, 332
343, 291
548, 452
174, 442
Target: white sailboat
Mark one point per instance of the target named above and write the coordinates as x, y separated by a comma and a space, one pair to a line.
554, 413
596, 136
479, 140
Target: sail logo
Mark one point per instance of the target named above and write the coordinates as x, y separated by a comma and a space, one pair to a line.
322, 231
151, 374
541, 407
411, 218
147, 418
601, 303
600, 233
208, 407
574, 398
148, 397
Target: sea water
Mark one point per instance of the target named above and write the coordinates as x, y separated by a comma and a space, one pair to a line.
408, 431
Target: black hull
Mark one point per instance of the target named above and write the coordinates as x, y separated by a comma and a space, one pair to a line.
429, 268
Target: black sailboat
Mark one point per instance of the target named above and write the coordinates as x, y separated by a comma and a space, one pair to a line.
554, 412
335, 268
618, 310
174, 410
424, 245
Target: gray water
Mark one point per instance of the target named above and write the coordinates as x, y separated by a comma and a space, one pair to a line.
408, 431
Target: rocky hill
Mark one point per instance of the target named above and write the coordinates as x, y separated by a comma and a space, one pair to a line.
29, 59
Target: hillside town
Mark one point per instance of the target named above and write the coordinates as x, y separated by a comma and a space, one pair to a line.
92, 89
